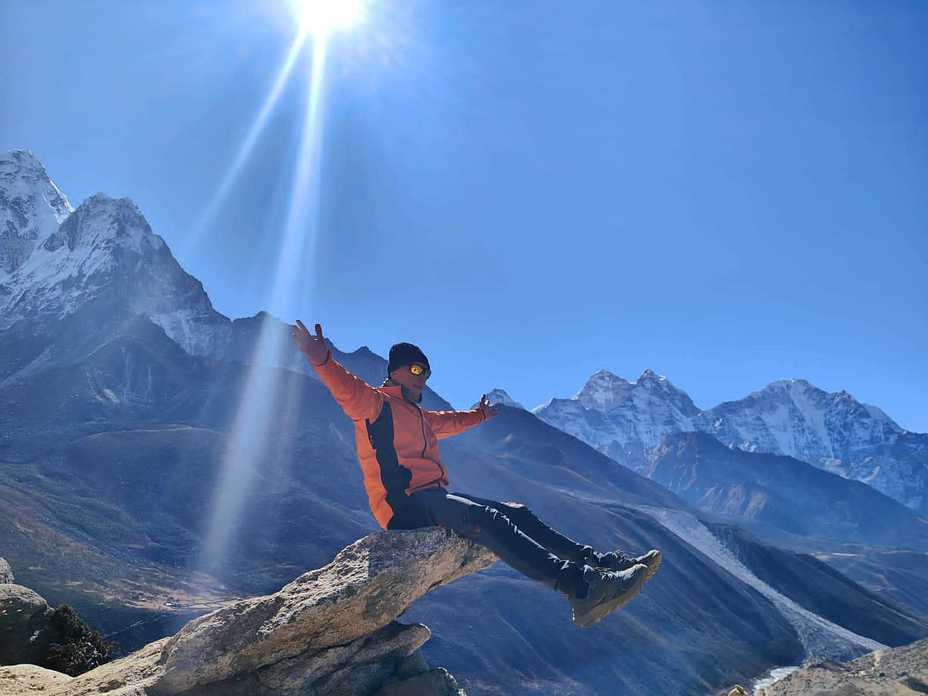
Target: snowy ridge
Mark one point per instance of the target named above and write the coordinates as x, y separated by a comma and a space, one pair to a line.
833, 431
795, 418
820, 638
623, 419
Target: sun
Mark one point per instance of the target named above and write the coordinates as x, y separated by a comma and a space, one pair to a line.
320, 17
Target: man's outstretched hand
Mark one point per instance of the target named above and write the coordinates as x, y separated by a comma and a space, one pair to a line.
485, 408
313, 347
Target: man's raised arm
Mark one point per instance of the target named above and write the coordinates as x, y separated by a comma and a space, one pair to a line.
447, 423
356, 397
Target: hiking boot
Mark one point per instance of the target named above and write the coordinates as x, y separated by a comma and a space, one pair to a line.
616, 560
608, 590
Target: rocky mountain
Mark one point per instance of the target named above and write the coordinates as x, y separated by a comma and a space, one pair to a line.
832, 431
118, 431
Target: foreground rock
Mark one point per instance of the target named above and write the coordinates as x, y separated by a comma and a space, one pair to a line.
896, 672
22, 680
331, 631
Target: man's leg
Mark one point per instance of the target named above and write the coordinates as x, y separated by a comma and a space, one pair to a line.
528, 522
564, 546
489, 527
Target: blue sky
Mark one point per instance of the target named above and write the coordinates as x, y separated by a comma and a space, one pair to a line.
727, 193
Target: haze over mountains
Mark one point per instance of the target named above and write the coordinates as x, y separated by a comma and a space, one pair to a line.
119, 391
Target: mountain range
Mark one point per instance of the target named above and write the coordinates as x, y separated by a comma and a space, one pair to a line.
832, 431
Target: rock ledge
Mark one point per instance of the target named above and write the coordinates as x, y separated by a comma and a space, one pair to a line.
331, 631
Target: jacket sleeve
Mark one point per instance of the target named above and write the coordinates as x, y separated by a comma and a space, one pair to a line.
358, 399
447, 423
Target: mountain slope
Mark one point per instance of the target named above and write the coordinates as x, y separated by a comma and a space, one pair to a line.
767, 490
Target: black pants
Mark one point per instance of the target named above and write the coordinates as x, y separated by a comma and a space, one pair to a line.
508, 529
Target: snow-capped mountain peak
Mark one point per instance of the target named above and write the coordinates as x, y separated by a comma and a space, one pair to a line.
604, 391
620, 418
75, 262
104, 254
101, 224
31, 208
650, 380
500, 396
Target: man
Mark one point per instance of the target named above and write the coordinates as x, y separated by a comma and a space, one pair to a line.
406, 483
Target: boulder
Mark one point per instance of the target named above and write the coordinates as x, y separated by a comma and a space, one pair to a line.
330, 632
23, 617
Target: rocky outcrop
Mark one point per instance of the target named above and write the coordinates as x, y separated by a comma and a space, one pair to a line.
23, 617
331, 631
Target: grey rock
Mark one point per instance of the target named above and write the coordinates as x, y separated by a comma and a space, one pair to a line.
23, 616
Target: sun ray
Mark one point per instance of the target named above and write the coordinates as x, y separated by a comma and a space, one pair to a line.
261, 396
205, 219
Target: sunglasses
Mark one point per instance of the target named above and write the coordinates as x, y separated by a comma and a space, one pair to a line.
418, 369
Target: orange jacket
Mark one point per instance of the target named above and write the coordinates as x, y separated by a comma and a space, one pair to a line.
396, 440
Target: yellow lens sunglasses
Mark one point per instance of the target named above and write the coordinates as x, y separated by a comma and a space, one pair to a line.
418, 369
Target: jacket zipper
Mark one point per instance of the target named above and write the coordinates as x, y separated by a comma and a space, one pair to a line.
425, 445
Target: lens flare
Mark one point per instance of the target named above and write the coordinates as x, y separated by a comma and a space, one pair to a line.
326, 16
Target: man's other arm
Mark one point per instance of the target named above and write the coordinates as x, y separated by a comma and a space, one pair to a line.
357, 398
447, 423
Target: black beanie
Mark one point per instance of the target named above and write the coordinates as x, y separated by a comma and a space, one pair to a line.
402, 354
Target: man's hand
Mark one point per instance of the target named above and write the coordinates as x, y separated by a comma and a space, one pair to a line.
313, 347
485, 408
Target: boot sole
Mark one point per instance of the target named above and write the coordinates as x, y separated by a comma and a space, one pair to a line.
600, 611
652, 567
656, 564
